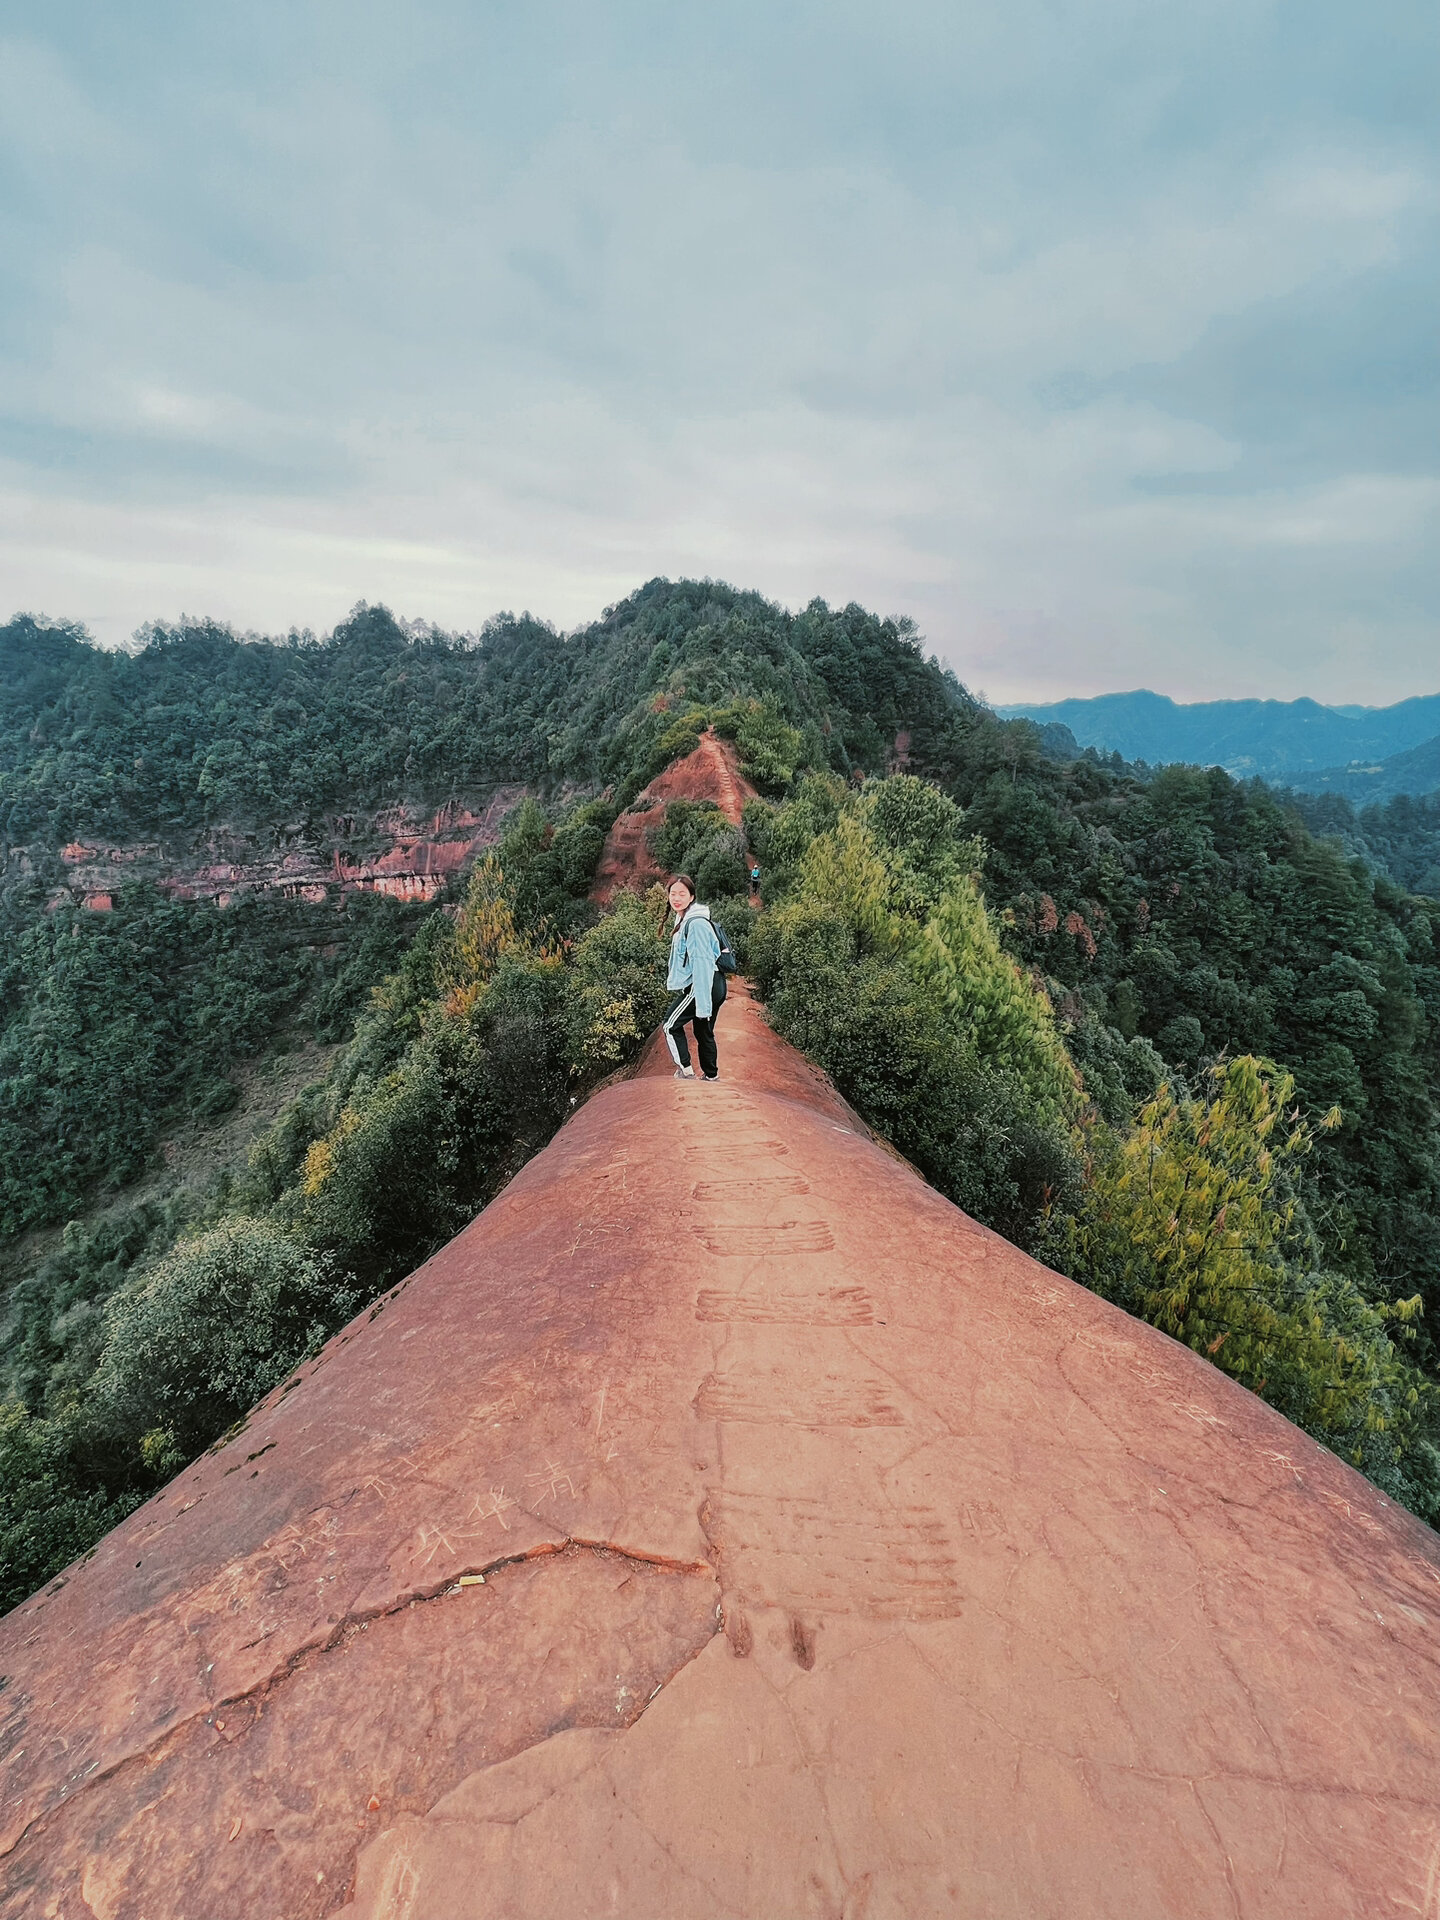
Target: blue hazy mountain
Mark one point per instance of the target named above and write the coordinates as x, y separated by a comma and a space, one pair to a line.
1281, 740
1415, 773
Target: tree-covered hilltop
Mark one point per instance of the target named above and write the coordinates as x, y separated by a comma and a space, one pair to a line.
1145, 1023
199, 726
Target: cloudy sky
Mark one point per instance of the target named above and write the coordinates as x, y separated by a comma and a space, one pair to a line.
1099, 336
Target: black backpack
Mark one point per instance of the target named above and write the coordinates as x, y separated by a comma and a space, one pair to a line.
725, 961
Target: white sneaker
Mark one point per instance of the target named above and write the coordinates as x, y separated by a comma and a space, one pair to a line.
684, 1073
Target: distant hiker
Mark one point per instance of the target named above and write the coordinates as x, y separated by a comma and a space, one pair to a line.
755, 879
696, 977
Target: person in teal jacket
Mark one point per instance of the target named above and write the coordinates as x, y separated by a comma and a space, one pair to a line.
694, 976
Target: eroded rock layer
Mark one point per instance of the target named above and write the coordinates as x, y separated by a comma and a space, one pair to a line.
837, 1560
405, 851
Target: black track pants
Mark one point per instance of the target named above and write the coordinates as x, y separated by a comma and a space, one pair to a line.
675, 1022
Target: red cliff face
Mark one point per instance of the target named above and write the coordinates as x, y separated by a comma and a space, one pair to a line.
409, 854
725, 1525
711, 772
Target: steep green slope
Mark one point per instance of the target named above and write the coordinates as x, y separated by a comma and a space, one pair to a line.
1398, 838
118, 1028
1200, 915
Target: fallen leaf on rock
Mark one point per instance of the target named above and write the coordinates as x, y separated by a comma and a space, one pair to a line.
237, 1826
374, 1806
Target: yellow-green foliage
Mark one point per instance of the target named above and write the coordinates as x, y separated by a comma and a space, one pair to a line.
617, 985
843, 870
1193, 1222
1007, 1018
320, 1155
922, 834
483, 937
878, 960
770, 749
682, 736
989, 1003
484, 933
607, 1031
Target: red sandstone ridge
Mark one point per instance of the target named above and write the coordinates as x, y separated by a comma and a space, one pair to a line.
711, 772
838, 1560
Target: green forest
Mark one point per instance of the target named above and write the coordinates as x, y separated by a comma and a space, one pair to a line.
1399, 837
1174, 1034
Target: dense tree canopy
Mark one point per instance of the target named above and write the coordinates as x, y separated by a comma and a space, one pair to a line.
1399, 838
197, 726
1201, 915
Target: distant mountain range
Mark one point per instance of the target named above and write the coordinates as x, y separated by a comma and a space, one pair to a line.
1416, 773
1366, 753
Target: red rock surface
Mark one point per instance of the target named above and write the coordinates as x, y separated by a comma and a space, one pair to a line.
711, 772
839, 1561
411, 852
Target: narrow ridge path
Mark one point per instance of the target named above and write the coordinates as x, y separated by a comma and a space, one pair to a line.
837, 1559
710, 772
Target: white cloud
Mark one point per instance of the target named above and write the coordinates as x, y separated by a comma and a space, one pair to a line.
498, 310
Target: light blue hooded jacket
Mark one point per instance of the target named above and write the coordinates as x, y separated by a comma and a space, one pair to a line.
694, 950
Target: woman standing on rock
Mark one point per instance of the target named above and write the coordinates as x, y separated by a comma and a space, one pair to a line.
694, 950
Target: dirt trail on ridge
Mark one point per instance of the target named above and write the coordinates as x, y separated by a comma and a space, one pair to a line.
838, 1560
711, 772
